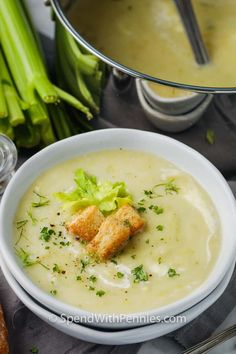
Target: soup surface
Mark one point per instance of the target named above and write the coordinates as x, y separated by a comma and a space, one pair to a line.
168, 92
147, 35
167, 260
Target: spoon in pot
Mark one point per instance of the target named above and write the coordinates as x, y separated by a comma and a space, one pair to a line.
190, 23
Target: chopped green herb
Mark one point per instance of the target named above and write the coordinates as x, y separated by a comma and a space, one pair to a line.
147, 241
46, 233
25, 258
84, 263
114, 261
62, 243
33, 219
21, 234
53, 292
141, 202
160, 227
43, 265
210, 136
34, 350
139, 274
92, 278
141, 209
159, 260
100, 293
56, 269
20, 224
78, 277
148, 193
133, 256
120, 275
156, 209
91, 288
127, 223
172, 273
169, 186
46, 247
162, 239
42, 201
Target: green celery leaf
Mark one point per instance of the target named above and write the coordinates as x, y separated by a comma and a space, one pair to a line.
107, 196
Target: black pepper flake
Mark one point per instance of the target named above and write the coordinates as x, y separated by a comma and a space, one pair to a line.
52, 225
58, 213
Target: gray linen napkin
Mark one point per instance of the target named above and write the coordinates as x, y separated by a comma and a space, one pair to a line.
26, 330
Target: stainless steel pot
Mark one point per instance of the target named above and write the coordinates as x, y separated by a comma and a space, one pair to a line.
61, 8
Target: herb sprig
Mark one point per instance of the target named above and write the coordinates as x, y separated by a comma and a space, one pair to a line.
26, 259
46, 233
139, 274
42, 200
172, 273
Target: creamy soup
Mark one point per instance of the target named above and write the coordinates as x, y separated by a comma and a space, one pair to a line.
147, 35
167, 260
168, 92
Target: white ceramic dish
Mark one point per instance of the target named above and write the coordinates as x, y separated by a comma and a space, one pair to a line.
181, 155
130, 336
172, 106
168, 122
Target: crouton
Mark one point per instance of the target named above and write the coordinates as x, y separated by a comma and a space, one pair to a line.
87, 223
4, 349
114, 232
129, 215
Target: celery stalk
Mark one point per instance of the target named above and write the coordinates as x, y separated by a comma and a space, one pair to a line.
3, 104
20, 46
60, 122
27, 135
38, 113
16, 30
13, 102
71, 100
6, 128
71, 71
47, 133
86, 63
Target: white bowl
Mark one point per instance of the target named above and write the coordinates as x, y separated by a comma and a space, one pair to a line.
168, 122
183, 156
172, 106
136, 335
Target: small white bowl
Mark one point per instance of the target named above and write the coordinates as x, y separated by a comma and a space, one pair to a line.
171, 105
180, 154
171, 123
130, 336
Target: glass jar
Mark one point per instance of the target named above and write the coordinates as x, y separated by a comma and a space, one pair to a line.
8, 160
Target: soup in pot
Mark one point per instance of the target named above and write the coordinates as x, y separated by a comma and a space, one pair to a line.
148, 36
